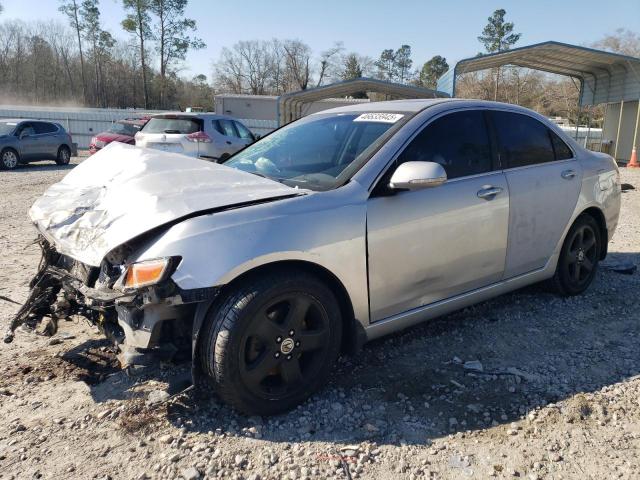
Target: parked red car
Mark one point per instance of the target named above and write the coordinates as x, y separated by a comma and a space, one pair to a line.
121, 131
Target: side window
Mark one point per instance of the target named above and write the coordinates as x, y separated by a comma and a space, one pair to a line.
228, 128
26, 129
217, 127
243, 131
562, 151
522, 140
43, 127
458, 141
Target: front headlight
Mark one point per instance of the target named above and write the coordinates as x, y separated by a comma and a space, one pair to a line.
149, 272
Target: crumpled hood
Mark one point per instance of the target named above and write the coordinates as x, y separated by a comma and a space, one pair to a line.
123, 191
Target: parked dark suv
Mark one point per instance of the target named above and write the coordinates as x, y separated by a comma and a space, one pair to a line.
24, 141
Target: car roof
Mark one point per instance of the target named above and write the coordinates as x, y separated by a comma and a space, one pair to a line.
209, 115
419, 104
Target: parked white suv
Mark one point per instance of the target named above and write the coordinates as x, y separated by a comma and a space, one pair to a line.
203, 135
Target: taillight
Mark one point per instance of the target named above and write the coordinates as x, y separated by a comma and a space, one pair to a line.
199, 137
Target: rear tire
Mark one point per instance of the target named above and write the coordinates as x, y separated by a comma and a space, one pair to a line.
64, 155
272, 341
579, 257
9, 159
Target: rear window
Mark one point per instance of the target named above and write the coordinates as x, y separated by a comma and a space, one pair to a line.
124, 128
562, 151
44, 127
184, 125
523, 140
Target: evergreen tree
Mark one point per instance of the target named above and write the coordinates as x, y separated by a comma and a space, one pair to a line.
432, 71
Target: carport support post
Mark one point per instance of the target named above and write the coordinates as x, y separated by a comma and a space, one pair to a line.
586, 138
615, 150
635, 130
604, 124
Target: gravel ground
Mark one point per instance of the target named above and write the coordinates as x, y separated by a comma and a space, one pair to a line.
527, 385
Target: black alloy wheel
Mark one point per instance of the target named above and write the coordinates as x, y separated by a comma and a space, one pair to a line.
271, 341
579, 257
285, 345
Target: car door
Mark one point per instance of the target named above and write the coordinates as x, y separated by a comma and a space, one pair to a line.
47, 141
232, 139
27, 141
544, 181
431, 244
246, 137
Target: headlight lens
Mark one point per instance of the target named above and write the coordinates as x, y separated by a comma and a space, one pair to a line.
146, 273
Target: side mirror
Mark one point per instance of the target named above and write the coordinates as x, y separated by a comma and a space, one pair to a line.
417, 175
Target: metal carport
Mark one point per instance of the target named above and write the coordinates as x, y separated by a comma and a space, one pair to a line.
290, 105
604, 77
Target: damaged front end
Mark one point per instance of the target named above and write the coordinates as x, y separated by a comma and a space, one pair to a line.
147, 322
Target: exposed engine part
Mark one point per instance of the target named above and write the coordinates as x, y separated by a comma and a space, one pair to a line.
60, 289
44, 291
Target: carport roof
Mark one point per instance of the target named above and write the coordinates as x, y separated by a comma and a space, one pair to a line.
289, 104
605, 77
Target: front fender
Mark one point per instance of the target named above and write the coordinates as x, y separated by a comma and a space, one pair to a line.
327, 229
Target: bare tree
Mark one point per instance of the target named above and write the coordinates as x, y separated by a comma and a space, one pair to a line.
330, 62
138, 23
298, 63
72, 10
621, 41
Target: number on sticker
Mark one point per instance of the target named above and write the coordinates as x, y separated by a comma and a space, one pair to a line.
379, 117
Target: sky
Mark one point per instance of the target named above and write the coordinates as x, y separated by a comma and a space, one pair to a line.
448, 28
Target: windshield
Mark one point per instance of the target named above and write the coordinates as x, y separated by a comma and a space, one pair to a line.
124, 129
7, 128
318, 151
173, 124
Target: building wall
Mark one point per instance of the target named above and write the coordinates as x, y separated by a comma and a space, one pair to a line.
265, 107
627, 127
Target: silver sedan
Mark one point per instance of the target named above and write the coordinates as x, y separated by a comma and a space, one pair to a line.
336, 229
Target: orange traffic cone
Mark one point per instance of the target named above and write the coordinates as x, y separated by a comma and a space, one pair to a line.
633, 161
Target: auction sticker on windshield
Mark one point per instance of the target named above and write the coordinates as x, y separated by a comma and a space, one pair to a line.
379, 117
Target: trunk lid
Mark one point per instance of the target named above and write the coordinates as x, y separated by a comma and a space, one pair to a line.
123, 191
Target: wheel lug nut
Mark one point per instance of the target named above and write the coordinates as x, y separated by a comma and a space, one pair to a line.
297, 344
278, 339
277, 354
291, 333
288, 357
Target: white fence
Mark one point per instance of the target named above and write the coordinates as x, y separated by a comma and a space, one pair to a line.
84, 123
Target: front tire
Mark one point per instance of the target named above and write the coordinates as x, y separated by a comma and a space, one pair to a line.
271, 342
579, 257
9, 159
64, 155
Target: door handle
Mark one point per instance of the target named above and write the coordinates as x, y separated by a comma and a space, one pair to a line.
228, 142
489, 193
568, 174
